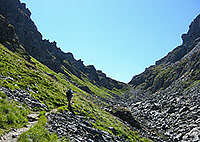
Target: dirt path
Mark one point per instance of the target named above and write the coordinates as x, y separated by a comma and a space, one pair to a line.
52, 111
14, 133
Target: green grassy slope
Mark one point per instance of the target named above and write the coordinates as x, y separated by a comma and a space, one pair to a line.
51, 92
159, 77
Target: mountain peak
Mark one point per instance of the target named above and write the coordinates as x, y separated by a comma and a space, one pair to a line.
193, 32
182, 60
189, 40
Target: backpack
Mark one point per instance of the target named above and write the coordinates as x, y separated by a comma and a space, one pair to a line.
69, 93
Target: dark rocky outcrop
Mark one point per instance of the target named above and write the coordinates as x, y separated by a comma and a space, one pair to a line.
51, 75
126, 116
86, 89
47, 52
9, 38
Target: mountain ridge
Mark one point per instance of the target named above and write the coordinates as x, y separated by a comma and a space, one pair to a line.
188, 39
47, 52
154, 78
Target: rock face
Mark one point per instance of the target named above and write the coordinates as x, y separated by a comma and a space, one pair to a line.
9, 38
47, 52
126, 116
165, 97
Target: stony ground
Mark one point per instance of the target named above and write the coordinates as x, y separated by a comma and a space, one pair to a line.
22, 96
170, 114
78, 128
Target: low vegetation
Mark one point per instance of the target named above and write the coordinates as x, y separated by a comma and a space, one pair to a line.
162, 76
38, 133
12, 114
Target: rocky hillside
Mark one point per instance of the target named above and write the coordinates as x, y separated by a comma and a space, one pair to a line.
182, 61
47, 52
165, 97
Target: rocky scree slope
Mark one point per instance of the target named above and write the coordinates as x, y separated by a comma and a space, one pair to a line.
47, 52
79, 128
165, 97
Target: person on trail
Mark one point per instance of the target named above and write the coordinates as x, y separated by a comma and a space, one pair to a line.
69, 94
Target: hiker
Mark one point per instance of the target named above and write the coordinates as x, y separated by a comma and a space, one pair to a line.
69, 94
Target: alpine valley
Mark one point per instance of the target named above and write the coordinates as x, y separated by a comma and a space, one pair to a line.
160, 104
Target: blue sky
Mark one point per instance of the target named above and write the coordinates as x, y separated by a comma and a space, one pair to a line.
119, 37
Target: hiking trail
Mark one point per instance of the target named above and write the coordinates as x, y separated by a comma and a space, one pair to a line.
13, 134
